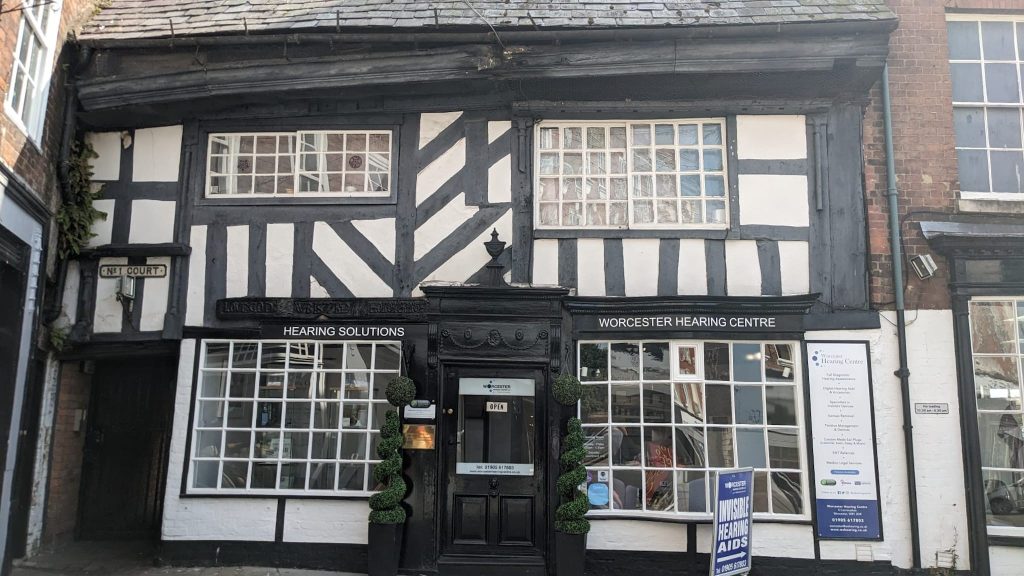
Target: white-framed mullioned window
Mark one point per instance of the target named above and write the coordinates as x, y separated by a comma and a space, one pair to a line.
631, 174
661, 416
986, 60
997, 347
31, 70
319, 163
289, 418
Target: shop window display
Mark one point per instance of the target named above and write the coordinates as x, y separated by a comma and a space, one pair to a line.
289, 417
661, 416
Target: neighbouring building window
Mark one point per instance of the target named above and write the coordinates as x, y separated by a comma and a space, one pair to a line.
997, 344
648, 174
289, 417
30, 73
661, 416
985, 58
338, 163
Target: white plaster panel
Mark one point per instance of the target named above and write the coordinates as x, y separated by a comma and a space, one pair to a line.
107, 164
326, 521
108, 314
545, 262
156, 154
69, 300
442, 225
280, 250
590, 267
771, 137
773, 199
471, 258
742, 268
795, 265
102, 227
154, 298
782, 540
381, 233
152, 222
693, 269
252, 519
496, 129
237, 263
1005, 560
195, 303
499, 181
433, 175
433, 123
346, 265
640, 266
316, 289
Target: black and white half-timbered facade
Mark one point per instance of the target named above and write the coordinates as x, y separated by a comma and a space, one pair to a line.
298, 198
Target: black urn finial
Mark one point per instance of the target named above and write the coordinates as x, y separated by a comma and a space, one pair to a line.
495, 247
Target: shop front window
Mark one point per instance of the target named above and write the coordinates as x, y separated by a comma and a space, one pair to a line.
289, 417
660, 417
997, 331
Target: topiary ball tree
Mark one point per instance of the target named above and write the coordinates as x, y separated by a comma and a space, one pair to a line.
569, 517
386, 505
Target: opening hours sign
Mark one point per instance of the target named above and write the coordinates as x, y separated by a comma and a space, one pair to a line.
734, 506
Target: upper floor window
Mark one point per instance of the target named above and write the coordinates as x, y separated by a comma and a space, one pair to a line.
309, 163
985, 55
30, 72
644, 174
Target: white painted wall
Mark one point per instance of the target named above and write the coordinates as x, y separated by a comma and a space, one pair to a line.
156, 154
154, 298
545, 262
195, 302
108, 315
640, 266
795, 267
773, 199
742, 268
152, 222
280, 249
471, 258
441, 225
69, 299
107, 164
769, 539
102, 227
931, 358
590, 266
346, 265
433, 123
1006, 560
771, 137
326, 521
693, 271
433, 175
237, 282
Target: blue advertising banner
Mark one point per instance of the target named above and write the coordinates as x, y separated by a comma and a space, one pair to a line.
734, 506
843, 437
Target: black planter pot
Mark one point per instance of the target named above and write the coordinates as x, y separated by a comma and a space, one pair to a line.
384, 549
570, 553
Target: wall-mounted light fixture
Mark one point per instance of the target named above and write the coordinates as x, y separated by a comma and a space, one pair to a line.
923, 266
126, 291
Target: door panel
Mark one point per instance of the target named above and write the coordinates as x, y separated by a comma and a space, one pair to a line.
124, 464
493, 432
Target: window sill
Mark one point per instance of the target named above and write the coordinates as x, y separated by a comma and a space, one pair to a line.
597, 515
990, 205
264, 496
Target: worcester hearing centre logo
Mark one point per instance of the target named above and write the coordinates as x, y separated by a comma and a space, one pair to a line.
819, 359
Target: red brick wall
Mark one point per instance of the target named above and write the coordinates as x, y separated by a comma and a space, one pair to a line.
66, 460
37, 167
922, 115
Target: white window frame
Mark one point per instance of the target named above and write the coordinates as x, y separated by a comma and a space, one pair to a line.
369, 461
37, 81
798, 385
627, 123
985, 105
1019, 354
297, 172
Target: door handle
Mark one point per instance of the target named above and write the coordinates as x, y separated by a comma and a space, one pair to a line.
493, 492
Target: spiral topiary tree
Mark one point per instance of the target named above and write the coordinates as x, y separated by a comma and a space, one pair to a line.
386, 505
569, 516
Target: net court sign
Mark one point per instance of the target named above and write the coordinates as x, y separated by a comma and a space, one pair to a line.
734, 508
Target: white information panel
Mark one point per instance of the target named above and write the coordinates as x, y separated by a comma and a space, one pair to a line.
839, 380
495, 387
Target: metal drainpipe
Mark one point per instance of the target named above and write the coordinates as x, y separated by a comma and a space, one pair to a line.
901, 321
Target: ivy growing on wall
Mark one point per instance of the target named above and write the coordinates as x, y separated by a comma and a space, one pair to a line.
77, 214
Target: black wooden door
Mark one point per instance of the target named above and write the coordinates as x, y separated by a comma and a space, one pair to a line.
494, 455
124, 464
